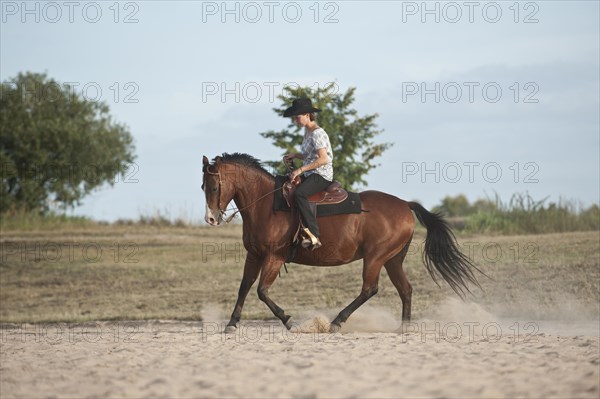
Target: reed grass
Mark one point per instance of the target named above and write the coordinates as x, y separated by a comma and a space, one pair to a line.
522, 214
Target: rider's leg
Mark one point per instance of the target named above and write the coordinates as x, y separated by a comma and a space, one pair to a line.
311, 185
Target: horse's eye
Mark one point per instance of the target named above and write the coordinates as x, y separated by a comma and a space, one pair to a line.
214, 189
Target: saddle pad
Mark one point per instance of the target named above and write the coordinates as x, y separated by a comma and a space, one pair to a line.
350, 205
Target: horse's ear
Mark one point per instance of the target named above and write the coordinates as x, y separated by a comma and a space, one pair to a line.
205, 160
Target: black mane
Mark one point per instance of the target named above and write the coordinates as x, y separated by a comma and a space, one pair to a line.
245, 160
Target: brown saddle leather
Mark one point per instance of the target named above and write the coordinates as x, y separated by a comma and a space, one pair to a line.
333, 194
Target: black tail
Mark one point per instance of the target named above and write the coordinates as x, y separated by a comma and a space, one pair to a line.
442, 254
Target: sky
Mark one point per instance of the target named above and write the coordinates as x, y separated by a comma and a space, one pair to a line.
479, 98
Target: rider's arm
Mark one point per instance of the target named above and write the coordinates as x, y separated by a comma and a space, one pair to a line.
320, 161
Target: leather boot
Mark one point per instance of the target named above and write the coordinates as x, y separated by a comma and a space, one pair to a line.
310, 241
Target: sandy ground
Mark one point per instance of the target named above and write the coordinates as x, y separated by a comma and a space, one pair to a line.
370, 357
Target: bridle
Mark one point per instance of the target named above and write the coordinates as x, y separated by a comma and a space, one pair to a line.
222, 212
218, 174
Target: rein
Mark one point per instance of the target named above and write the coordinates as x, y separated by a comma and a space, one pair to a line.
230, 218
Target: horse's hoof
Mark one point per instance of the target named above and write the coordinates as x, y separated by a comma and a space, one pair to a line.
406, 327
230, 329
333, 328
289, 324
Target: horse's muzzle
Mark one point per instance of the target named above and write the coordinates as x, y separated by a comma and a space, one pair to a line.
213, 218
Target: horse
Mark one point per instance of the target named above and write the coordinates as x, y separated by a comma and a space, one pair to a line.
380, 236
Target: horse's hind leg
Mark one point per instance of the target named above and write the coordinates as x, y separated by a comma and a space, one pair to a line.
398, 277
269, 272
371, 270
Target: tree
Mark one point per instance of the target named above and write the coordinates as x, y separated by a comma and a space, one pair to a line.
351, 136
454, 206
56, 146
459, 206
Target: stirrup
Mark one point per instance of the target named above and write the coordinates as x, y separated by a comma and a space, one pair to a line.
310, 241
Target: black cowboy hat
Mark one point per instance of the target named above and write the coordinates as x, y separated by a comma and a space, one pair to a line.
300, 106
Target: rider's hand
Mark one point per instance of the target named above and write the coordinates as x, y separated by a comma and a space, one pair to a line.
289, 157
294, 174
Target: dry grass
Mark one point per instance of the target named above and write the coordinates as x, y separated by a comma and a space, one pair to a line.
154, 272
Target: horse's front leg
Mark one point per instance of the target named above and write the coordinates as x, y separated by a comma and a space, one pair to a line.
269, 272
251, 270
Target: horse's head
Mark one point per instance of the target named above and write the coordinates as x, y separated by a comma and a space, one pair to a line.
217, 191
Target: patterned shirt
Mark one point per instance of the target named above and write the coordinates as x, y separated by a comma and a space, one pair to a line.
311, 144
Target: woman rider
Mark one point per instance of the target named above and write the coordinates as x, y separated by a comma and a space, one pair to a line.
317, 167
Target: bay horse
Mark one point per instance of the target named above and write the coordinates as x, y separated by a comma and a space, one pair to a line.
380, 235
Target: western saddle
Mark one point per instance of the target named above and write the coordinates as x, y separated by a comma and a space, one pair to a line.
333, 194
